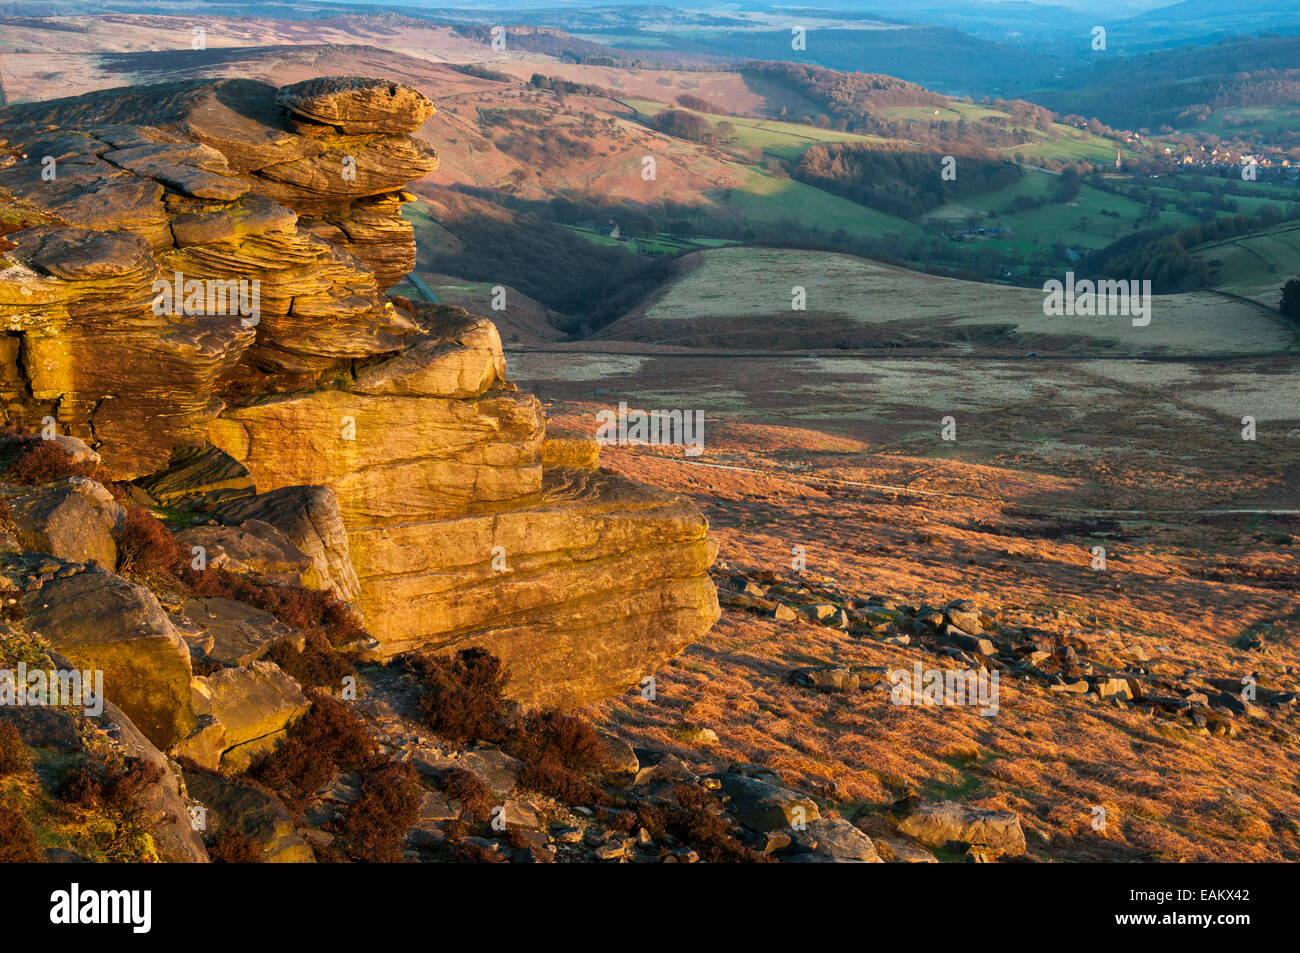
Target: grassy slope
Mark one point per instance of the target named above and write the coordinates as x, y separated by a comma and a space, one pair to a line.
746, 293
1255, 266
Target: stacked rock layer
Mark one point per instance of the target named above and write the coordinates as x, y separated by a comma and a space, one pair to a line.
125, 209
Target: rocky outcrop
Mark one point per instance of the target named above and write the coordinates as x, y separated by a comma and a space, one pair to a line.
200, 297
205, 182
461, 537
60, 738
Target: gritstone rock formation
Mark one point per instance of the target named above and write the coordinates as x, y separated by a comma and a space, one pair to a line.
202, 264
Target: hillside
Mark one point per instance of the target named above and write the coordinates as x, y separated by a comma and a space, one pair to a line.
741, 299
1255, 266
1183, 86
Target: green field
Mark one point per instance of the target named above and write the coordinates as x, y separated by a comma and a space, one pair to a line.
769, 199
662, 243
772, 199
955, 111
1080, 223
1255, 266
598, 239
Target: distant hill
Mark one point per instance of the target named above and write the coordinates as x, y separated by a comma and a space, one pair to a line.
1181, 86
1205, 21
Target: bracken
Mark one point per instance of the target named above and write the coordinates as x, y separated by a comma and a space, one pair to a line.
17, 842
13, 756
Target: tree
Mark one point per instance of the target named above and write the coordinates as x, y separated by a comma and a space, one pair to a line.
1290, 306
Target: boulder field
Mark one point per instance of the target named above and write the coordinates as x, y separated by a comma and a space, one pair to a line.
193, 285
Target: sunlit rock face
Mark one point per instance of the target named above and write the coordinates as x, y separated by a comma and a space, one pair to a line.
204, 262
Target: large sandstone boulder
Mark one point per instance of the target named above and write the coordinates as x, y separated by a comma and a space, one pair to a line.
102, 622
581, 580
357, 105
584, 591
391, 458
73, 519
254, 707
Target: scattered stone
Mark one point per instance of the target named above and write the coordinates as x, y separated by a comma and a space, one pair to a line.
763, 805
618, 757
902, 852
945, 822
496, 769
827, 678
1235, 703
235, 633
833, 840
970, 643
521, 814
234, 804
1079, 687
1113, 688
818, 612
669, 768
965, 615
